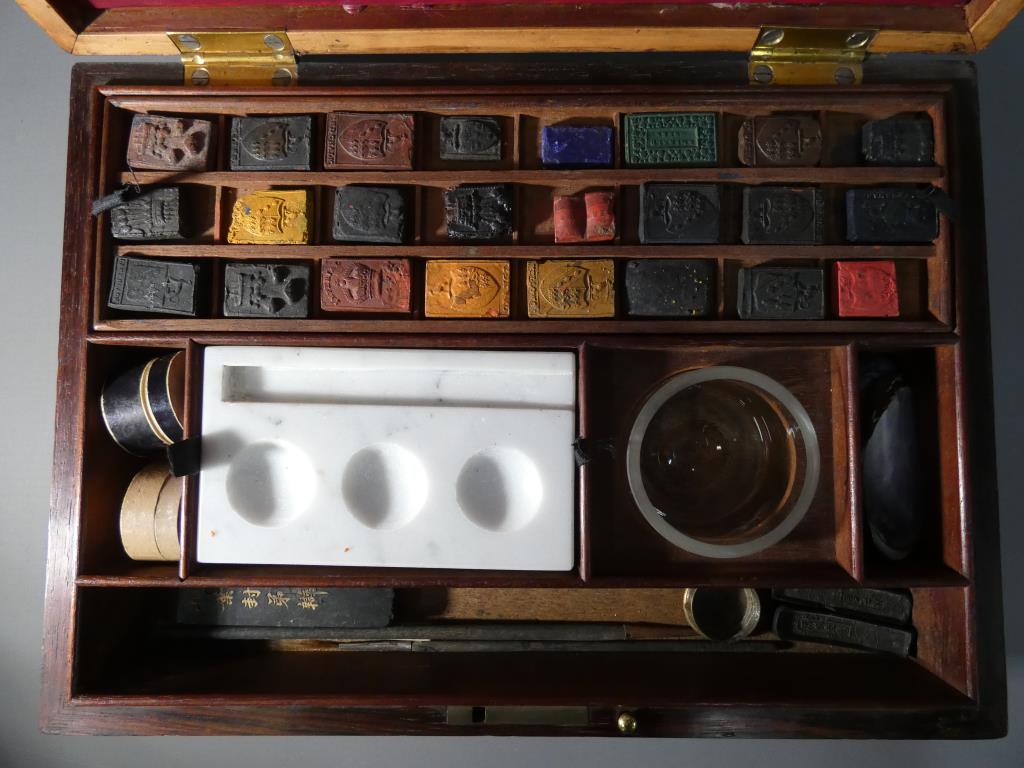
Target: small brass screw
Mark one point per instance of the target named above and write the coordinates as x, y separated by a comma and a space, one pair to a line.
626, 723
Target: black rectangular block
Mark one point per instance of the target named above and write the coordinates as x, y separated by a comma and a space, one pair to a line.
470, 138
670, 288
156, 214
370, 215
680, 213
879, 604
479, 212
277, 143
333, 607
149, 285
781, 293
797, 625
783, 216
890, 215
898, 141
266, 290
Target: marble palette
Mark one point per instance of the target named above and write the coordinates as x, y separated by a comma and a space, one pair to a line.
388, 457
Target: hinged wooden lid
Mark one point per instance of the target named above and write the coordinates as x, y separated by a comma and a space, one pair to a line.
138, 27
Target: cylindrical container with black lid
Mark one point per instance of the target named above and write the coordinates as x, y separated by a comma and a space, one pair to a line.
143, 407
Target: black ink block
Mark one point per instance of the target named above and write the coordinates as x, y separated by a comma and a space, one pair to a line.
266, 290
898, 141
880, 604
680, 213
276, 143
470, 138
781, 293
783, 216
369, 215
156, 214
284, 607
797, 625
148, 285
890, 215
479, 211
670, 288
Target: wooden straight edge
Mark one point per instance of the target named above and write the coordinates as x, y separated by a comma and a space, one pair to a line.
987, 18
53, 24
523, 40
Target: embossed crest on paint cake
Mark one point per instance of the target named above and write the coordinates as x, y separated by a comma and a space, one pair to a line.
470, 138
680, 213
365, 285
866, 289
570, 288
369, 215
169, 143
781, 293
266, 290
783, 215
271, 143
467, 289
891, 215
780, 140
670, 287
156, 214
479, 212
671, 138
358, 140
149, 285
273, 217
898, 141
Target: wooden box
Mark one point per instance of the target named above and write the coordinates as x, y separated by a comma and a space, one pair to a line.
112, 665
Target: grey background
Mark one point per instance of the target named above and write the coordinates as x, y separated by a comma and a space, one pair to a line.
33, 141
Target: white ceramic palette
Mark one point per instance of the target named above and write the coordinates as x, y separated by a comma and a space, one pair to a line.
388, 457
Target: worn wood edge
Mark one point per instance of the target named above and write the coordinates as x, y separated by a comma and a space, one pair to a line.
987, 18
522, 40
52, 22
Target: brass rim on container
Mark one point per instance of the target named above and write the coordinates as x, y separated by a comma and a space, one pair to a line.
702, 606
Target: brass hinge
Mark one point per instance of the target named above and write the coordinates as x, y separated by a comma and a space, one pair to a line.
236, 58
809, 56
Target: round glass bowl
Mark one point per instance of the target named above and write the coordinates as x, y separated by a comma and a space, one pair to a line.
723, 461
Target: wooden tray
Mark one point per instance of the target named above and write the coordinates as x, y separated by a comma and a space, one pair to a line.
111, 668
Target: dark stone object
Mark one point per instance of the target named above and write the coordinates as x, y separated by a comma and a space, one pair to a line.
898, 141
276, 143
781, 293
369, 215
881, 604
670, 288
148, 285
809, 626
266, 290
680, 213
128, 419
470, 138
780, 140
329, 608
783, 216
479, 211
892, 477
891, 215
156, 214
576, 146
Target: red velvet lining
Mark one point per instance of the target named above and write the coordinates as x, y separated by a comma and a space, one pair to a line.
225, 3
